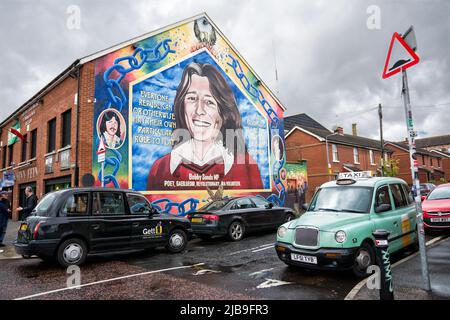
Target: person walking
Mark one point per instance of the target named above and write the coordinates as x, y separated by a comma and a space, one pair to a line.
4, 216
31, 202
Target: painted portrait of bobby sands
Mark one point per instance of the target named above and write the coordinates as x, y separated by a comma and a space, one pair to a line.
209, 148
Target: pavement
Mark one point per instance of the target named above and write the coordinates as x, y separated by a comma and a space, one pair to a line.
407, 277
8, 251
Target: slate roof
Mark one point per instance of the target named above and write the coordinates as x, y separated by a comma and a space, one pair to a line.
302, 120
433, 141
421, 151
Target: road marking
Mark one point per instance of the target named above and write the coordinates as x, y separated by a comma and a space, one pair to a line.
205, 271
108, 280
240, 251
271, 247
351, 295
260, 272
269, 283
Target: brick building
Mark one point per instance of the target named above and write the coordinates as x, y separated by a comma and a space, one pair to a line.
57, 125
430, 163
306, 140
135, 83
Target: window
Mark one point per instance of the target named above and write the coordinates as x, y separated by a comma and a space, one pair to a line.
243, 203
11, 154
335, 153
4, 157
110, 203
42, 208
33, 143
51, 135
382, 197
260, 202
355, 155
24, 149
408, 193
139, 204
76, 204
431, 161
342, 199
439, 162
423, 159
371, 157
399, 196
66, 128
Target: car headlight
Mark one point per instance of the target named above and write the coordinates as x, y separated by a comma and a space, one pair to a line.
282, 232
340, 236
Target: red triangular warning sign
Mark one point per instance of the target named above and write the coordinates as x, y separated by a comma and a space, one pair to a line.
101, 147
401, 64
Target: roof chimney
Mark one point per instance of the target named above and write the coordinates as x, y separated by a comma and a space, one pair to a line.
354, 132
339, 130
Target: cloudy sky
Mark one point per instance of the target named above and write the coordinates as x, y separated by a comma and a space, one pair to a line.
329, 54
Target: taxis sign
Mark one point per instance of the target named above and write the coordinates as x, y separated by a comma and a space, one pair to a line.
355, 175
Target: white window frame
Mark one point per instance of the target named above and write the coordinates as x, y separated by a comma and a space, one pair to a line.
334, 152
355, 155
371, 157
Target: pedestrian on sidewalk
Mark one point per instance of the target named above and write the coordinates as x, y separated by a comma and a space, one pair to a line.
31, 204
4, 216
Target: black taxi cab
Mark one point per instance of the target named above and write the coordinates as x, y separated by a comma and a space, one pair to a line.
68, 225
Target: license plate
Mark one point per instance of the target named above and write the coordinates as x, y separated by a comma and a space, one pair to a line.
23, 227
302, 258
197, 220
440, 219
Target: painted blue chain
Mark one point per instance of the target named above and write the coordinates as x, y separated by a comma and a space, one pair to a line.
116, 95
117, 99
274, 123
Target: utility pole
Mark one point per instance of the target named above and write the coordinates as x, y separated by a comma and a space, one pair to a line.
380, 116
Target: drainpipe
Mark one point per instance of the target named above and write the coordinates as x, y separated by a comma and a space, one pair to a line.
77, 171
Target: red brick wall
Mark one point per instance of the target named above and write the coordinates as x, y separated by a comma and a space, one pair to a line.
303, 146
58, 100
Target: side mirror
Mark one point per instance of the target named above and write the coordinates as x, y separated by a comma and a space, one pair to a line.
269, 205
305, 206
383, 208
424, 198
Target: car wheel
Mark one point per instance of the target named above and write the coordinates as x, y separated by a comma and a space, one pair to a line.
71, 252
177, 241
204, 236
236, 231
289, 217
364, 257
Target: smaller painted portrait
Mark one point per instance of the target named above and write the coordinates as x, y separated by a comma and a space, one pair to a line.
278, 148
111, 127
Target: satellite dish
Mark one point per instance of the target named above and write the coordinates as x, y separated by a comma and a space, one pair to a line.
88, 180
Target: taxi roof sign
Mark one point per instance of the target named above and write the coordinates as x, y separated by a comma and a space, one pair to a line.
355, 175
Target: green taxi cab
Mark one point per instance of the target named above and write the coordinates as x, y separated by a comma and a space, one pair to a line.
335, 232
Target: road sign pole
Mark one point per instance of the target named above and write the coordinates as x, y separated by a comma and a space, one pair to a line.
103, 174
415, 180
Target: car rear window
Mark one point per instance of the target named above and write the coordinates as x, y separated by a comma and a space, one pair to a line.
42, 209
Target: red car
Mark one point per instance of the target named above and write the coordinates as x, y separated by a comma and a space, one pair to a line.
436, 208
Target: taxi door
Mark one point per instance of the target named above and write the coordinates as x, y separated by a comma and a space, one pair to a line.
109, 224
147, 228
384, 213
405, 216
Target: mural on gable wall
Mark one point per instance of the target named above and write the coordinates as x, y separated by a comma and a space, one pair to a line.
181, 113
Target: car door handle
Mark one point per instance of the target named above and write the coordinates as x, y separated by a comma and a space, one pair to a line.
135, 224
95, 226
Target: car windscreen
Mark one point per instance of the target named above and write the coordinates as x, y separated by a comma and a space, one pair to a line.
42, 209
342, 199
216, 205
439, 193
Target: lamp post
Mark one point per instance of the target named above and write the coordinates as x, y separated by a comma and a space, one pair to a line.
328, 157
